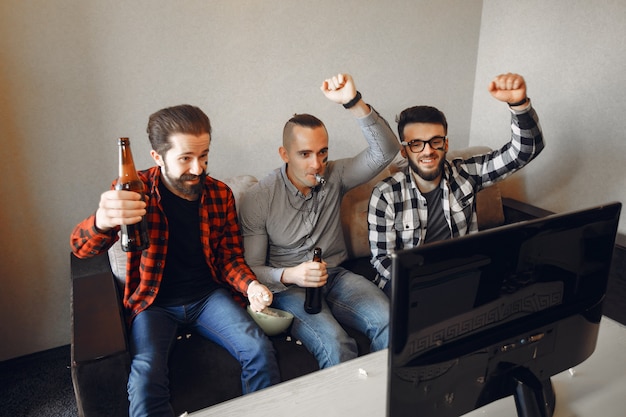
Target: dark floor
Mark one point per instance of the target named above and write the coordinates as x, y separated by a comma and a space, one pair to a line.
38, 385
41, 384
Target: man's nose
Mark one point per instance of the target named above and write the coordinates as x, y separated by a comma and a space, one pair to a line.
318, 162
197, 167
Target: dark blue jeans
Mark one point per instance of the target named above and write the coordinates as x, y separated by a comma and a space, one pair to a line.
218, 318
349, 299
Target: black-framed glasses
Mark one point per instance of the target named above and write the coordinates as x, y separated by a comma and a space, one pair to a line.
417, 145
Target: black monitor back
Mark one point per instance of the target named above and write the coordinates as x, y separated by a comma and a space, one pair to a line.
497, 313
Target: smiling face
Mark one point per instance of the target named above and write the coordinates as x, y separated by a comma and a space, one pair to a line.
184, 165
427, 165
306, 153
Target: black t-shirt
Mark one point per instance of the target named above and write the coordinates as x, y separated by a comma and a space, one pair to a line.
436, 227
186, 277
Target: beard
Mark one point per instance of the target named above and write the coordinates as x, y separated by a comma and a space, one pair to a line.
179, 184
427, 175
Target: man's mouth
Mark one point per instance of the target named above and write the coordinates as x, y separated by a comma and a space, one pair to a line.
428, 161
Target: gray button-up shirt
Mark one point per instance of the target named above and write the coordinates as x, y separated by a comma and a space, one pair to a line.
281, 226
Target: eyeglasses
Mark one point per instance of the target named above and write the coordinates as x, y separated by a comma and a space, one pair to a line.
417, 145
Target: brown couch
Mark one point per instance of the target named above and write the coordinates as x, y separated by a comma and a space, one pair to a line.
202, 373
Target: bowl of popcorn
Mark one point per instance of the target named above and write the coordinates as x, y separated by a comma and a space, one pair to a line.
272, 320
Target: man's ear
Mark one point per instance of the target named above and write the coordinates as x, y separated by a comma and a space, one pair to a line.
403, 152
157, 158
282, 151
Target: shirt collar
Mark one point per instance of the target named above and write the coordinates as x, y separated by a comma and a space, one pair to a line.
292, 189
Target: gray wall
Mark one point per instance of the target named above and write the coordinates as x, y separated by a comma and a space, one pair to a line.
77, 74
573, 57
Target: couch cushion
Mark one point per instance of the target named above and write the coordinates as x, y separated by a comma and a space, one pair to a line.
117, 259
240, 184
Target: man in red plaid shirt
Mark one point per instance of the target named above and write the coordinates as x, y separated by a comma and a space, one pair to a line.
194, 268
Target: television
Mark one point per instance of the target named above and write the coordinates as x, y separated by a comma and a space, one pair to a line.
497, 313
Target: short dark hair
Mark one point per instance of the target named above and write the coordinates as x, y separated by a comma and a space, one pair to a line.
420, 114
177, 119
304, 120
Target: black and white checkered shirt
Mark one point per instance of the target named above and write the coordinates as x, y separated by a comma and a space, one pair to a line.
397, 213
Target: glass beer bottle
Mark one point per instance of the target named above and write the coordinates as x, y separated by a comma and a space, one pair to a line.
134, 237
313, 295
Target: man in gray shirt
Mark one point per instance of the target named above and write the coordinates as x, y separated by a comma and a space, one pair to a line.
296, 208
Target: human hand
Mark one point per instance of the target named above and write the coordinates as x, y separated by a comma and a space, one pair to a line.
510, 88
339, 88
307, 274
259, 296
118, 207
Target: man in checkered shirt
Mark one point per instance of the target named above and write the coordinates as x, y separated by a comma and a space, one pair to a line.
433, 198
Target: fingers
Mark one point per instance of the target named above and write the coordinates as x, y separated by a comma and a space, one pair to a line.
261, 300
507, 81
259, 296
307, 274
508, 87
316, 274
339, 84
118, 207
334, 83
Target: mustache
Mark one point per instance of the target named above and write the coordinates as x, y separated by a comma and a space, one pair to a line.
191, 177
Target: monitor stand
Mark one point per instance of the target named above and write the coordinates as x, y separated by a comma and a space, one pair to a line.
533, 398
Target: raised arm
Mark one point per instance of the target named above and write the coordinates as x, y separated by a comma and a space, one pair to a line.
382, 142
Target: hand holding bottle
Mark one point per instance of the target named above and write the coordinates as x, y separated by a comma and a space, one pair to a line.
313, 298
125, 206
118, 207
307, 274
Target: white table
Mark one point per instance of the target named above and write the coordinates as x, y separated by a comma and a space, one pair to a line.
357, 388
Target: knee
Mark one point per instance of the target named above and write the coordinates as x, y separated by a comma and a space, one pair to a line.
380, 339
146, 369
330, 349
262, 347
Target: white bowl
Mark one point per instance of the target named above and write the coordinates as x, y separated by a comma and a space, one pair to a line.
273, 322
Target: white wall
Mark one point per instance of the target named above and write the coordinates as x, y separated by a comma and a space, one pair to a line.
573, 57
77, 74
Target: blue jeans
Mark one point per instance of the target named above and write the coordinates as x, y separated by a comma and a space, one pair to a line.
349, 299
218, 318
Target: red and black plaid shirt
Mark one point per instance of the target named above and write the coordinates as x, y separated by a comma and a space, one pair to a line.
220, 235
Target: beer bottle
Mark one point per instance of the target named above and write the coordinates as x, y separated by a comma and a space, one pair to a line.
313, 297
134, 237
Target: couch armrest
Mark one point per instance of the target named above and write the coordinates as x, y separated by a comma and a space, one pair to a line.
100, 358
98, 327
517, 211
